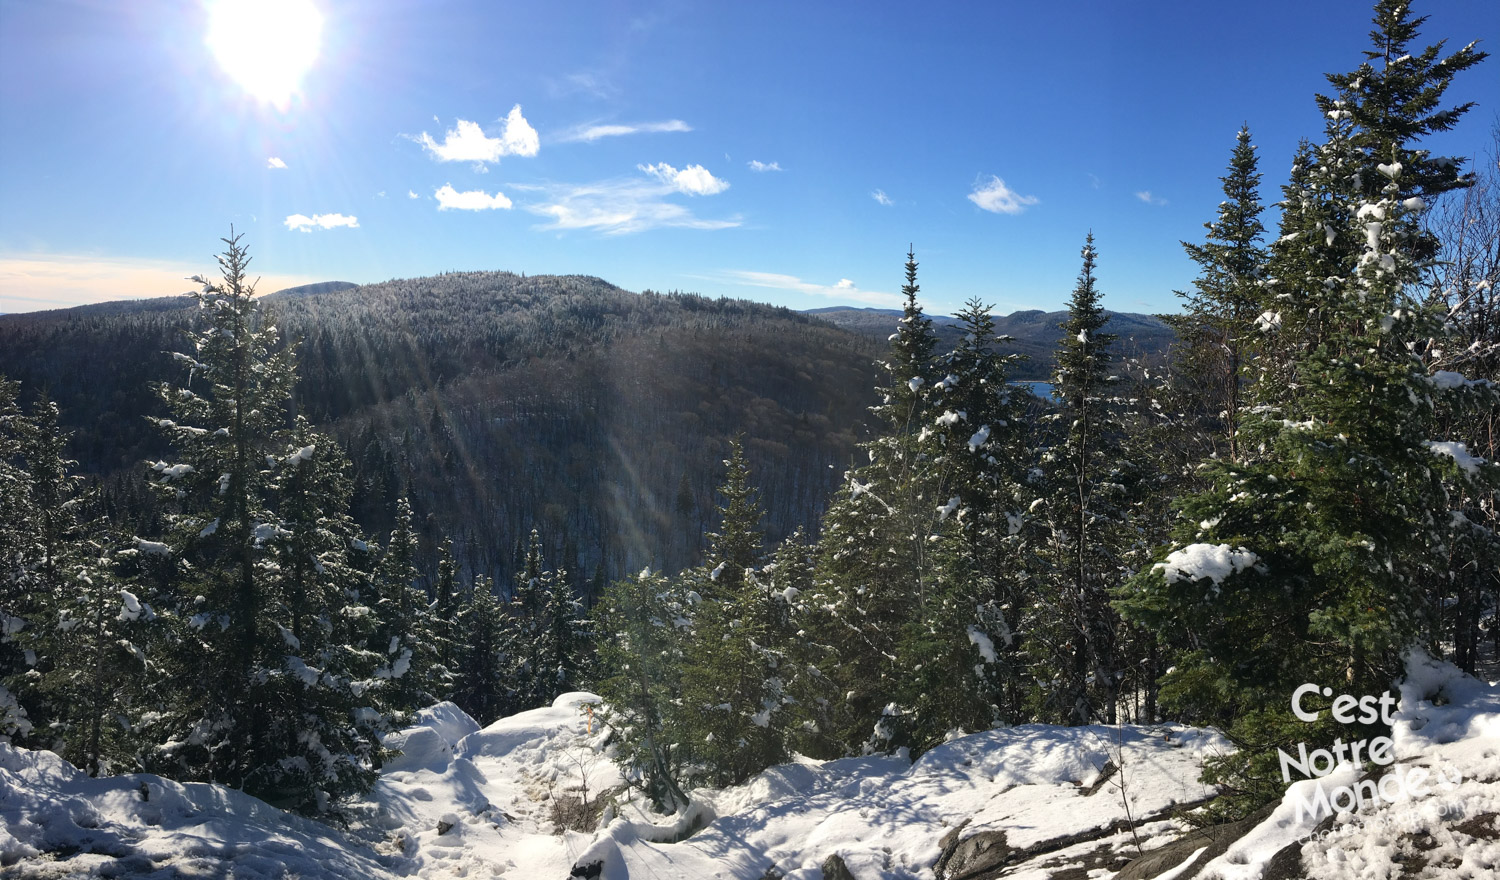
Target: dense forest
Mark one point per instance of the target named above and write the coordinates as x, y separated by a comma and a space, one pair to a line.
497, 403
1301, 491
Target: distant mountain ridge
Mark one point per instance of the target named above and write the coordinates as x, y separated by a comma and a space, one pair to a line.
316, 287
1034, 333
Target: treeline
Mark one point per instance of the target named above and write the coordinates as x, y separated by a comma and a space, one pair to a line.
1305, 492
496, 402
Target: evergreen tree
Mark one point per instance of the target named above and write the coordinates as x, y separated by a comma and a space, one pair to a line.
529, 630
403, 635
481, 688
23, 595
16, 545
960, 645
248, 498
91, 640
1310, 560
1227, 297
1083, 512
643, 621
736, 546
732, 686
566, 642
874, 562
445, 605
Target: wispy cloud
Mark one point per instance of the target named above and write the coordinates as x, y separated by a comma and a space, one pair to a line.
412, 194
31, 282
993, 195
594, 132
756, 165
467, 141
274, 162
320, 221
694, 180
594, 83
450, 199
1146, 196
880, 196
844, 289
625, 205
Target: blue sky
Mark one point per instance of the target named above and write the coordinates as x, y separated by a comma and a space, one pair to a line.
783, 152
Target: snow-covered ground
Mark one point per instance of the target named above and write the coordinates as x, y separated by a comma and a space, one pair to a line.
1027, 802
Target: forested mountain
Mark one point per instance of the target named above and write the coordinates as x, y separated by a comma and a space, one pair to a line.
499, 403
1034, 333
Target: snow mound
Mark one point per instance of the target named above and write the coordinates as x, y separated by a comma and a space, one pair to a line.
57, 822
430, 741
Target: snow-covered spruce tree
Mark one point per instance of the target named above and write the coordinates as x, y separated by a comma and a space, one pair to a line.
546, 632
732, 690
335, 703
1081, 535
89, 641
566, 643
642, 624
19, 551
1218, 326
960, 644
874, 564
78, 652
481, 686
736, 546
527, 630
1311, 560
446, 599
403, 634
230, 662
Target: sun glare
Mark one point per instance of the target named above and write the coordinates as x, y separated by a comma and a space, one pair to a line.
265, 45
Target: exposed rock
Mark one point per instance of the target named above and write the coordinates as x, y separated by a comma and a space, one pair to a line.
1105, 773
971, 857
1213, 840
835, 869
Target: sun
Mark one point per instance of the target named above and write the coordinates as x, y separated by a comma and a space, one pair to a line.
265, 45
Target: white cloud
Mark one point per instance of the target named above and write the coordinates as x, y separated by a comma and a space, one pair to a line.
321, 221
590, 133
619, 207
450, 199
1146, 196
274, 162
467, 142
520, 138
694, 180
880, 196
843, 290
993, 195
756, 165
412, 194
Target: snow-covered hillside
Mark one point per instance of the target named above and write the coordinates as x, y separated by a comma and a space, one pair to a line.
1034, 801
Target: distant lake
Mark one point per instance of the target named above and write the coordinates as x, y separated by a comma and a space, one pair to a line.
1040, 389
